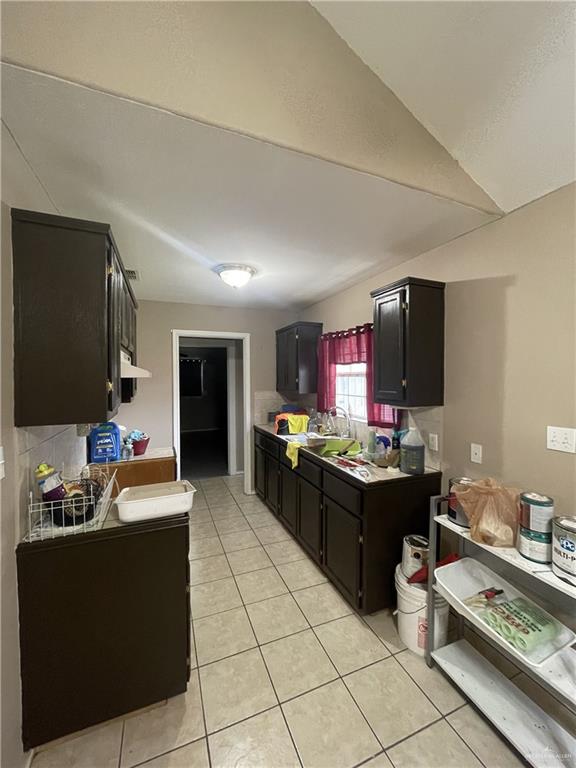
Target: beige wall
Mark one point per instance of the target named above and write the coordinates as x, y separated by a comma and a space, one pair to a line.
510, 343
151, 410
275, 70
24, 449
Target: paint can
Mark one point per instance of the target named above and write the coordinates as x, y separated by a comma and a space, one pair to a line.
414, 554
535, 545
455, 510
564, 548
536, 512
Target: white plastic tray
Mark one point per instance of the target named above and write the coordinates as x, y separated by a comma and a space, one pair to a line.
146, 502
464, 578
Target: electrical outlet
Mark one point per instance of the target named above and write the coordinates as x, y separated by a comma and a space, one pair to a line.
561, 439
433, 441
476, 453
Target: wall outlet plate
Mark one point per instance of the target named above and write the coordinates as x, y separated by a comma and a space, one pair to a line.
561, 439
476, 453
433, 441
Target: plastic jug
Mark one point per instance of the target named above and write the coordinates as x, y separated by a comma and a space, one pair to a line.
412, 453
105, 443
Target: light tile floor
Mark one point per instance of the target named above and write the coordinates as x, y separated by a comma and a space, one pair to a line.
285, 673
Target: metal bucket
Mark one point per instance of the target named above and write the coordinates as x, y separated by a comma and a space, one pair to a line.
414, 554
455, 510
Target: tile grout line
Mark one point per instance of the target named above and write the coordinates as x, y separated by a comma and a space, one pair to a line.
264, 662
449, 724
121, 743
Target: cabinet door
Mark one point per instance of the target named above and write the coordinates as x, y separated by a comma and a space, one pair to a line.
389, 350
342, 549
260, 472
309, 530
281, 361
126, 318
292, 378
272, 483
114, 290
288, 497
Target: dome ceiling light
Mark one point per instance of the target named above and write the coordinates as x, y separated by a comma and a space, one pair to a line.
236, 275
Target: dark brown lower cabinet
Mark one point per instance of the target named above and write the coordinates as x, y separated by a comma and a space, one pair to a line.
260, 472
104, 625
272, 483
343, 548
309, 531
288, 497
352, 529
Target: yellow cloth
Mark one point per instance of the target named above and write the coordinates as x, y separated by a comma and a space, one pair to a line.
292, 453
297, 423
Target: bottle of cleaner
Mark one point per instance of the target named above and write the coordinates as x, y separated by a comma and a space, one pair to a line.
412, 453
105, 443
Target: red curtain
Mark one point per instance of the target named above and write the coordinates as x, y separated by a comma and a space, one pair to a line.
344, 347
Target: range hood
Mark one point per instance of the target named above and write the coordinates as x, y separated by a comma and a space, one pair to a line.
129, 371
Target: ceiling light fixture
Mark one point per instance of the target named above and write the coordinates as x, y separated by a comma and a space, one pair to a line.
236, 275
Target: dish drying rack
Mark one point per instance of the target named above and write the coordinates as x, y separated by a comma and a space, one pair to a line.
89, 509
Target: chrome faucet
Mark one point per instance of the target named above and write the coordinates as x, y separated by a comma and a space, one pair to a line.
333, 411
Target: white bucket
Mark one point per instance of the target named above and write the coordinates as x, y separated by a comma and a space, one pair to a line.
412, 615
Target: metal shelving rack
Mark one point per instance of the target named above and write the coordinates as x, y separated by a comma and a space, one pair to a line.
541, 739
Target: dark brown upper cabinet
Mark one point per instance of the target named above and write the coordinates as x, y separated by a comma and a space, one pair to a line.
297, 358
70, 296
409, 343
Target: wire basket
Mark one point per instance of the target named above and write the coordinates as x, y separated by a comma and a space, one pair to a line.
84, 509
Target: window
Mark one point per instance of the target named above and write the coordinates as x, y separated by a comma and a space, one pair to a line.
351, 389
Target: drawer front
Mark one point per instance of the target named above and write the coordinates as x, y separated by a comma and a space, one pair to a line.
348, 497
259, 439
310, 471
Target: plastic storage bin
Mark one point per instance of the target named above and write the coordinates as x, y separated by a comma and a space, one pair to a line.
460, 580
146, 502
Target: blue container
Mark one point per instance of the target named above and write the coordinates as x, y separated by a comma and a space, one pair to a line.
105, 443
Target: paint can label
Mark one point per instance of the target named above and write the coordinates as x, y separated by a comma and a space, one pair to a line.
422, 631
536, 512
535, 545
564, 553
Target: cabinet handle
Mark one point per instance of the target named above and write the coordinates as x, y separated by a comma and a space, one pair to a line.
404, 383
360, 539
110, 270
109, 386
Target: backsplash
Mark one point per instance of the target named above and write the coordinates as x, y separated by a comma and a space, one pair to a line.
427, 421
264, 402
57, 445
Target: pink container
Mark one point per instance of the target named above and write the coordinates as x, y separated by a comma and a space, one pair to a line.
140, 446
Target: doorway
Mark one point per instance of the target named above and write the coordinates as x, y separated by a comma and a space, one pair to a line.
211, 404
203, 411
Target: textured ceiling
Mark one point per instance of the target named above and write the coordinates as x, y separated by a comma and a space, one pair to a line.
494, 82
182, 197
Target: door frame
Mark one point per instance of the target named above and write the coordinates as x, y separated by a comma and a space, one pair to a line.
177, 334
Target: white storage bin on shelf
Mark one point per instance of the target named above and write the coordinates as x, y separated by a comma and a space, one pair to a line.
146, 502
460, 580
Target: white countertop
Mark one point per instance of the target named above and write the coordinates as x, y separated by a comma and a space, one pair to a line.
377, 474
152, 453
